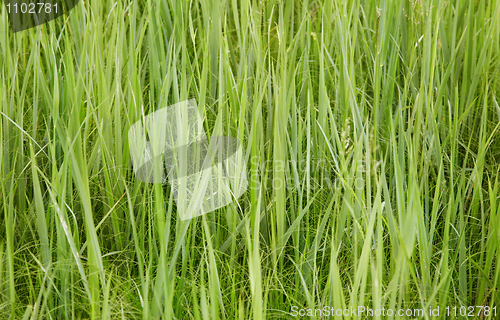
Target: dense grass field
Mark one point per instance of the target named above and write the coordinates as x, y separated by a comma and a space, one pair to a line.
371, 131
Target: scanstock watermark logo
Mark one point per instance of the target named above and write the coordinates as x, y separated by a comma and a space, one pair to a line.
170, 145
26, 14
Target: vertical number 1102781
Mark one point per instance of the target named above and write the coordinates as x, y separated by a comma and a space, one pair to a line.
40, 7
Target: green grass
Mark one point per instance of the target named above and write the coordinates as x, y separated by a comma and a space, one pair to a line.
371, 127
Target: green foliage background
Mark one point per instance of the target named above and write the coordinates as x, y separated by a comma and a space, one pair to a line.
372, 128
